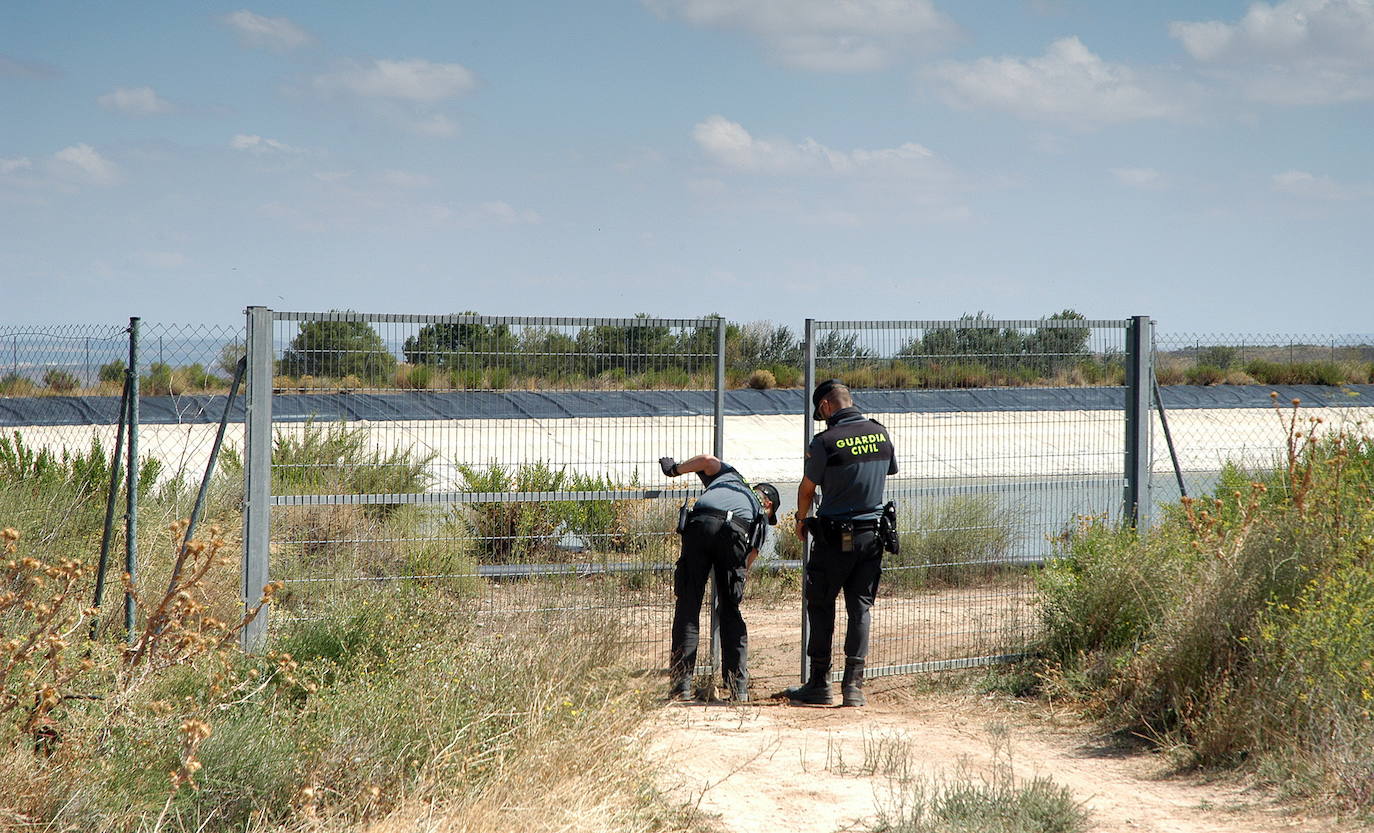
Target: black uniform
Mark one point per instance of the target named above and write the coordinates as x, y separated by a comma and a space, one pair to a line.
850, 461
722, 529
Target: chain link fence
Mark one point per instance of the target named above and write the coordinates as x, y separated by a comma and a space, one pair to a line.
1228, 400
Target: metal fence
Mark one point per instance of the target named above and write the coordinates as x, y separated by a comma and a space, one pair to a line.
515, 456
981, 493
551, 515
69, 379
1216, 392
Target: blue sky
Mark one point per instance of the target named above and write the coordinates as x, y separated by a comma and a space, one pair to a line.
1206, 163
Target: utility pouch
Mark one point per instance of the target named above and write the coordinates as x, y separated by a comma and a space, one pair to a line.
887, 529
846, 539
682, 514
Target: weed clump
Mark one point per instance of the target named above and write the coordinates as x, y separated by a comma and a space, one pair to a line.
1237, 631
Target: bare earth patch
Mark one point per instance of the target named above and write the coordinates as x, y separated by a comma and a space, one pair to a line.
767, 766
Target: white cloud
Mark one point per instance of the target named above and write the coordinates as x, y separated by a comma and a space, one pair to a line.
8, 166
404, 179
824, 35
1293, 52
1067, 83
275, 33
728, 143
1144, 178
1311, 186
135, 101
257, 144
413, 80
84, 163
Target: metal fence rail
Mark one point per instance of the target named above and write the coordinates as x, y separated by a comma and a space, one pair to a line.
980, 495
545, 517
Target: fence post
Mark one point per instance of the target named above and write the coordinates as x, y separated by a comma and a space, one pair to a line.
720, 390
718, 446
1137, 500
131, 485
257, 470
808, 385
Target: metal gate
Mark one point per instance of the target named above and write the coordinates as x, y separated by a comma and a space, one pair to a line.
1001, 444
513, 456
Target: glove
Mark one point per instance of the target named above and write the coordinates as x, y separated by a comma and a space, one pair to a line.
669, 466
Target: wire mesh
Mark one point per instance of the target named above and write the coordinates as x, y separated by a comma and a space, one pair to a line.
389, 465
981, 493
1216, 390
60, 408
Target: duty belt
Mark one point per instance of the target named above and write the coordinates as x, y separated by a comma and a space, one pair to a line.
730, 516
843, 523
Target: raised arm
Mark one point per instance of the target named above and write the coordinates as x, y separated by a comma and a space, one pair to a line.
705, 463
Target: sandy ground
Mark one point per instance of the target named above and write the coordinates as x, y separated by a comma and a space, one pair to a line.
767, 766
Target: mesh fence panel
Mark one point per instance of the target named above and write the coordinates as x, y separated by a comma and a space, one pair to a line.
980, 494
1235, 420
540, 513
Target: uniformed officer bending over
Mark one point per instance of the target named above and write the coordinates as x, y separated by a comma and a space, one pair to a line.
850, 461
720, 535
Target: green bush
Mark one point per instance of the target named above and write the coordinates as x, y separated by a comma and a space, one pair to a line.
157, 381
1204, 374
957, 541
1237, 629
12, 384
518, 531
336, 459
113, 372
62, 381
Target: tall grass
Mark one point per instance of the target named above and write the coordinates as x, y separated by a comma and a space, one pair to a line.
952, 542
378, 712
1236, 632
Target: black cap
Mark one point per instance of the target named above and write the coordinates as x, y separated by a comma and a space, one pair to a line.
770, 492
822, 391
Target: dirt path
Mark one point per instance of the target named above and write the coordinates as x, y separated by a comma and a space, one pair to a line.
767, 767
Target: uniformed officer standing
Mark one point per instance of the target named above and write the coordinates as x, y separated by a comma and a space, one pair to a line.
721, 536
850, 461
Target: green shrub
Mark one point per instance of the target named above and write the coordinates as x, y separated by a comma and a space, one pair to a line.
12, 384
157, 381
113, 371
336, 459
1204, 374
62, 381
1237, 630
196, 377
518, 531
762, 380
956, 542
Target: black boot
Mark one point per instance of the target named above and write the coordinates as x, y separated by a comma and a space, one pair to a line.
737, 688
852, 686
816, 691
681, 688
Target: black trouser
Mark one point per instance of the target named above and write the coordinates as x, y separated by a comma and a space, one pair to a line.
829, 570
710, 545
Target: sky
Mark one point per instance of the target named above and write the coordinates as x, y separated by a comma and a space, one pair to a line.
1204, 163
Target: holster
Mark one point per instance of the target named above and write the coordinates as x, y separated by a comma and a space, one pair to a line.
887, 528
682, 515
